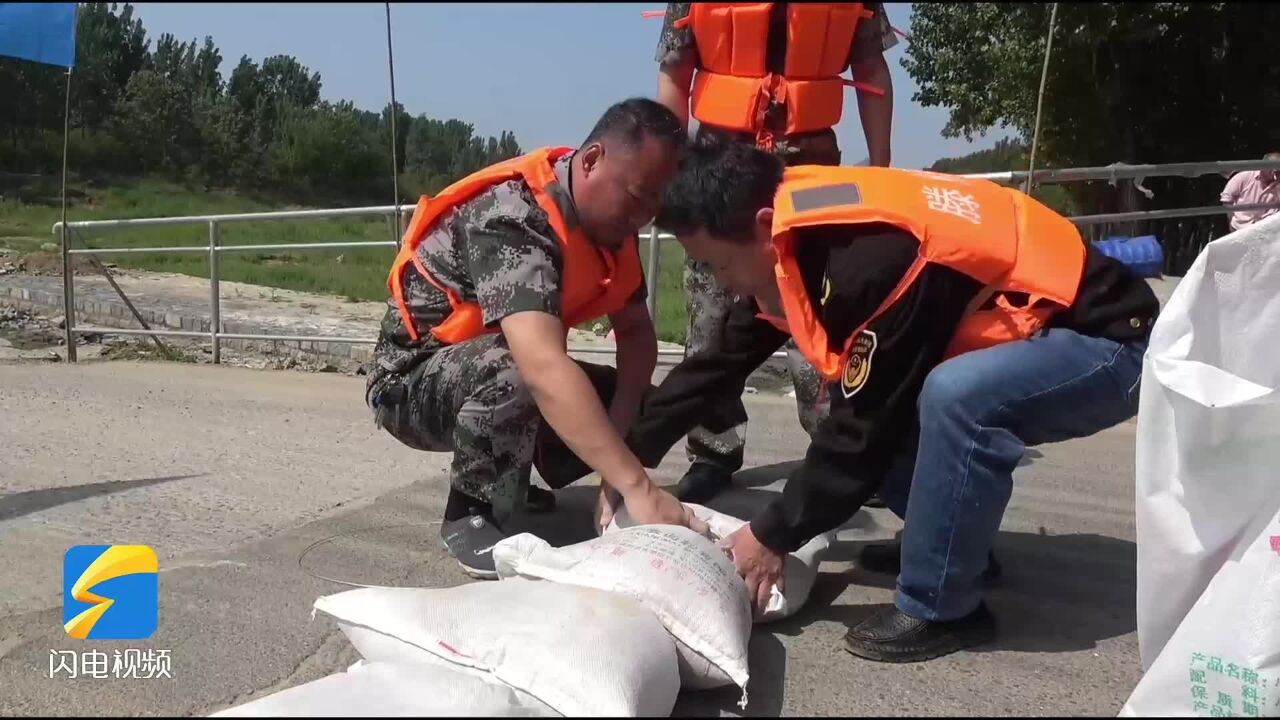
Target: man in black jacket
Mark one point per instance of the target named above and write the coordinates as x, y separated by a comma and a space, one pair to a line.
936, 437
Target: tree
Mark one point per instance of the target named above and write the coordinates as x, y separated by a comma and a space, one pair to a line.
223, 147
507, 147
284, 78
330, 153
110, 48
1126, 82
403, 121
40, 87
168, 109
203, 73
1008, 154
156, 119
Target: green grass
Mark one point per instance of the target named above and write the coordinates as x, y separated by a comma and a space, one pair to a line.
351, 274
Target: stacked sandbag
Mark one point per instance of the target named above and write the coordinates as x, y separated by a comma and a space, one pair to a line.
396, 690
688, 582
799, 569
578, 651
613, 626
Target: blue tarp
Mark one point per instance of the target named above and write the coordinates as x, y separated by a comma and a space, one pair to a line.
42, 32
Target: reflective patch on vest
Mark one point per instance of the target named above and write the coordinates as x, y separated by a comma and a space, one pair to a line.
826, 196
857, 368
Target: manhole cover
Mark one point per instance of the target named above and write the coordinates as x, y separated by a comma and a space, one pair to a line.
405, 555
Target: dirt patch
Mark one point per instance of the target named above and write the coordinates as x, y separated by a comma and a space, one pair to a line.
147, 351
44, 263
22, 330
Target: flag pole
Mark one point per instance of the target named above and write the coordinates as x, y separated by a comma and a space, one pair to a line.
68, 298
1044, 74
395, 165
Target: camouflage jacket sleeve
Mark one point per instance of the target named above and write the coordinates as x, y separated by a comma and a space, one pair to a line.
512, 254
873, 36
674, 43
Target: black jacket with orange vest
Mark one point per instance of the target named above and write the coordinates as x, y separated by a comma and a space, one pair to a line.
928, 266
1005, 240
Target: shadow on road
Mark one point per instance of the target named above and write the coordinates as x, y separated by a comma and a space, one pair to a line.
1058, 593
767, 659
764, 474
33, 501
1029, 457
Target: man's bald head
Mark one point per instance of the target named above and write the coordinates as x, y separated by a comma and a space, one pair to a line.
1269, 175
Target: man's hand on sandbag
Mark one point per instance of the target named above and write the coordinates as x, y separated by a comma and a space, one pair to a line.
648, 504
607, 504
760, 567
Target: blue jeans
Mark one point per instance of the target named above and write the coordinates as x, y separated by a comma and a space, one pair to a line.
978, 413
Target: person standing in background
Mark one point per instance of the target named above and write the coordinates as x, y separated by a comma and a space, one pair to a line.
1252, 187
772, 89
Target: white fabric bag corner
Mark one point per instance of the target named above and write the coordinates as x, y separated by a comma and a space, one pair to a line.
1208, 479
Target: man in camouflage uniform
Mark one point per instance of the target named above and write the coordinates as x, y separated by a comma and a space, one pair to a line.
716, 456
485, 399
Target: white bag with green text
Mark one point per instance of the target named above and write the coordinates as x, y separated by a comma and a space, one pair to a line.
1208, 488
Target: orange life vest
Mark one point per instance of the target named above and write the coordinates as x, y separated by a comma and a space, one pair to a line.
595, 282
1002, 238
733, 87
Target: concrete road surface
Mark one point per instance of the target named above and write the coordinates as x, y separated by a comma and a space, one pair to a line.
231, 474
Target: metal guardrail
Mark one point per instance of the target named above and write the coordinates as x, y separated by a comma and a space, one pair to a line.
1122, 171
214, 248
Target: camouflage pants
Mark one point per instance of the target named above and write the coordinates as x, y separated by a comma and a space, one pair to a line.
469, 399
708, 311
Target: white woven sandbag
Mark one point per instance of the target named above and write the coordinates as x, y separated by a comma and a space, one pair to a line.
577, 650
1224, 657
1208, 444
799, 569
678, 574
396, 690
1207, 463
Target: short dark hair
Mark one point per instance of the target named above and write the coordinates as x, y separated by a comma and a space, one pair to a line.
631, 120
719, 188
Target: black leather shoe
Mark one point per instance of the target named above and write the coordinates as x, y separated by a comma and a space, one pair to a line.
895, 637
887, 560
702, 482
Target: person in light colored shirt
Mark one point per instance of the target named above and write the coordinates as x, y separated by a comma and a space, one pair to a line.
1252, 187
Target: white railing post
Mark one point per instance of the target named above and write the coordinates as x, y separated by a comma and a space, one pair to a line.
215, 296
68, 294
655, 239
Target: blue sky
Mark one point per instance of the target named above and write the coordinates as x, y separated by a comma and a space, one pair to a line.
543, 70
